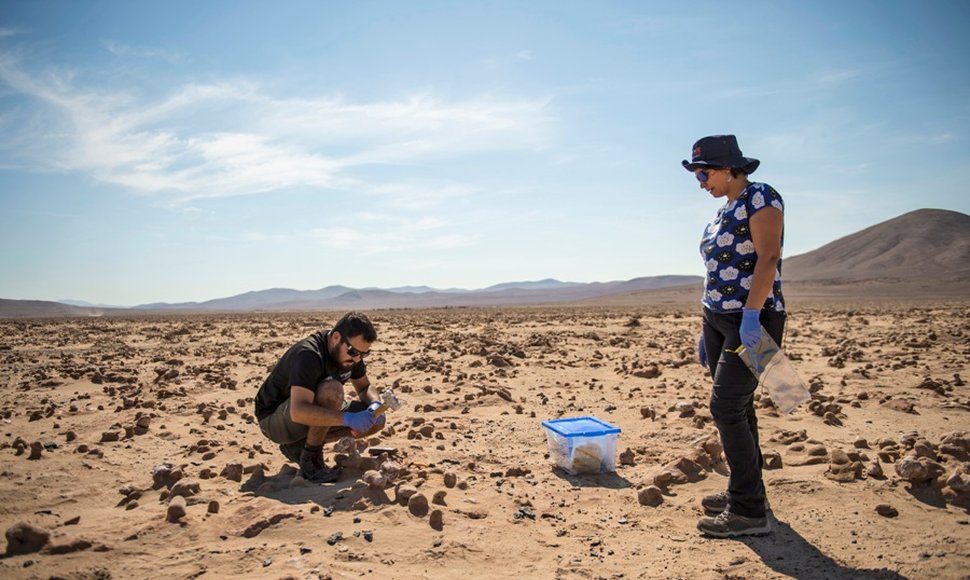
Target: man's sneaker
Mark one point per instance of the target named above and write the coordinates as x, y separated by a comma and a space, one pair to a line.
728, 525
718, 502
313, 469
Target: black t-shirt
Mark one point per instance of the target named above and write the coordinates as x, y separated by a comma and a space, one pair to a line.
306, 363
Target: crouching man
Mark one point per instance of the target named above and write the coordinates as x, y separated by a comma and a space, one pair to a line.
301, 403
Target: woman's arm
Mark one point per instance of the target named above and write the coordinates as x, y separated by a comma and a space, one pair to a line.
766, 228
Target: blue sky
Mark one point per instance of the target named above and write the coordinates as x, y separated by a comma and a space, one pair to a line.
174, 151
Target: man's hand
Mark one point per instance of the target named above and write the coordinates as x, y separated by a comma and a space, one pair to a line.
701, 351
361, 421
750, 328
380, 419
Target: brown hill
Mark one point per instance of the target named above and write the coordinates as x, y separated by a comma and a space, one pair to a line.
43, 309
922, 246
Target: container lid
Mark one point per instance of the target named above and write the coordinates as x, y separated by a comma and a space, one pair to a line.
580, 427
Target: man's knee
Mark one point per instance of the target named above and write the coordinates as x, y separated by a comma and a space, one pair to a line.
330, 394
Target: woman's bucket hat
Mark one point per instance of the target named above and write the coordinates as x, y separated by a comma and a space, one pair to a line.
720, 151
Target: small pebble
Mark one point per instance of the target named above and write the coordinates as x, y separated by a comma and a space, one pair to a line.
886, 510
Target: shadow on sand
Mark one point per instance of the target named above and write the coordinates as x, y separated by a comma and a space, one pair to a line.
343, 494
608, 480
786, 552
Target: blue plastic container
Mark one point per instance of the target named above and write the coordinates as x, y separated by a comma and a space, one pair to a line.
582, 444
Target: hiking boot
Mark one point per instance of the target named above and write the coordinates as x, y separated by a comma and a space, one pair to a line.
313, 469
718, 502
728, 525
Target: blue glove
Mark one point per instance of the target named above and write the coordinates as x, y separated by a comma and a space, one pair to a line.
379, 420
701, 351
361, 421
750, 328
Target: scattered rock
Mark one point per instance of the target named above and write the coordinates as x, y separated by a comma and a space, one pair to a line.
875, 469
684, 409
391, 470
773, 460
900, 405
628, 457
842, 468
165, 475
404, 493
418, 505
24, 538
806, 454
176, 509
450, 479
918, 469
959, 480
36, 450
186, 488
437, 520
233, 471
374, 479
886, 510
650, 496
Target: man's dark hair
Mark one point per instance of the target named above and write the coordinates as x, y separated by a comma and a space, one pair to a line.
737, 172
356, 324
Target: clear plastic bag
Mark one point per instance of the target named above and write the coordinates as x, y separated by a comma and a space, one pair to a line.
775, 373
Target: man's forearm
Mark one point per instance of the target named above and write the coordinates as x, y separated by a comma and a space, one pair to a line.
315, 416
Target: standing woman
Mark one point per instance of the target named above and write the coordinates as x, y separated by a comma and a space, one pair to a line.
741, 248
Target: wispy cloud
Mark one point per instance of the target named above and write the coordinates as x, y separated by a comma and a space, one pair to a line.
5, 32
233, 138
416, 196
819, 81
384, 234
127, 51
931, 139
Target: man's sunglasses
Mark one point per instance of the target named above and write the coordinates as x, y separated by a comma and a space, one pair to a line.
702, 176
353, 352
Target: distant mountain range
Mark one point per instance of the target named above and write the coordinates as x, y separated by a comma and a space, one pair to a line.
343, 297
924, 252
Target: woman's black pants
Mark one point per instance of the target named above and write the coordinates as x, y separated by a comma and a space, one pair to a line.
732, 406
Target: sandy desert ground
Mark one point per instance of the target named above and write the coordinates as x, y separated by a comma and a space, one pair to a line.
129, 450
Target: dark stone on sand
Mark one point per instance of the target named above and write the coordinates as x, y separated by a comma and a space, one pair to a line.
186, 488
233, 471
418, 505
450, 479
437, 520
176, 509
650, 496
24, 538
886, 510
